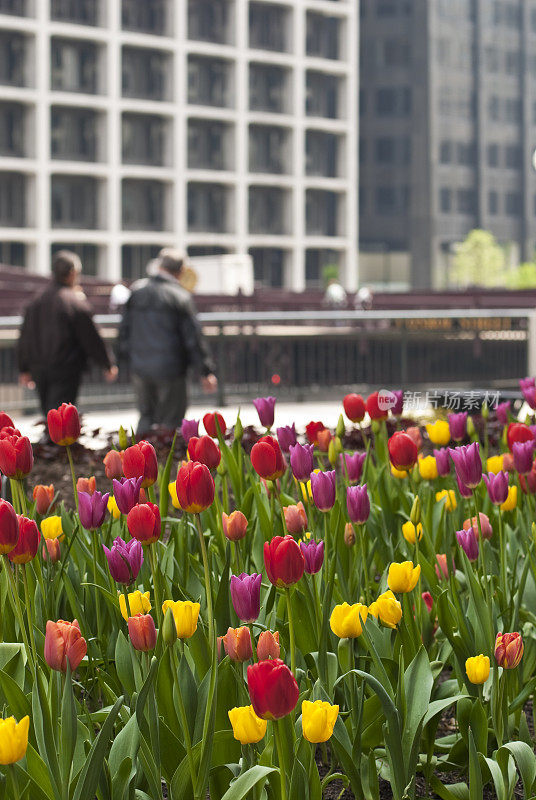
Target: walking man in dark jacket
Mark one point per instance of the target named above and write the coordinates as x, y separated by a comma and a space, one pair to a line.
58, 338
162, 340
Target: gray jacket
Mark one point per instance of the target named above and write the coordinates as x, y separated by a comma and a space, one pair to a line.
159, 333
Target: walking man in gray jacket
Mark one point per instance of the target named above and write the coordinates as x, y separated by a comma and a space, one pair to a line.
162, 339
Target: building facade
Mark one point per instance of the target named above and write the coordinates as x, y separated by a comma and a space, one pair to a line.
213, 125
447, 133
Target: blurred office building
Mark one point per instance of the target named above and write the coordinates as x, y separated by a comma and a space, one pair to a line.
221, 126
447, 133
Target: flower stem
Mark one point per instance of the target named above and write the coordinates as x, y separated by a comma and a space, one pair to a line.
279, 747
29, 611
156, 585
14, 782
208, 588
18, 612
73, 474
291, 633
184, 719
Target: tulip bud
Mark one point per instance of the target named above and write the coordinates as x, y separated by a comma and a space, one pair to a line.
237, 644
113, 465
221, 469
349, 535
268, 645
415, 515
332, 453
51, 550
375, 426
238, 429
142, 632
484, 410
43, 496
471, 430
235, 525
169, 629
123, 438
534, 531
340, 430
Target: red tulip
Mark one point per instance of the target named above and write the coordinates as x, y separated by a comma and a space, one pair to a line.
9, 527
139, 461
268, 645
312, 430
16, 454
205, 450
113, 465
43, 496
26, 547
195, 487
142, 632
283, 560
402, 451
373, 407
354, 407
143, 523
64, 424
5, 421
508, 650
88, 485
235, 525
64, 642
272, 688
209, 421
267, 458
517, 432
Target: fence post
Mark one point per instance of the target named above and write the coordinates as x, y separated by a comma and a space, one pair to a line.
531, 343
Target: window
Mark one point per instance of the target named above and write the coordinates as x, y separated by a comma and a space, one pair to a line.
492, 59
322, 93
74, 201
322, 154
493, 155
135, 258
494, 108
323, 34
74, 66
362, 101
513, 204
445, 200
209, 21
512, 156
209, 81
385, 150
466, 153
12, 124
269, 27
12, 59
207, 207
144, 205
466, 201
17, 7
13, 254
512, 63
386, 8
394, 52
269, 210
73, 133
268, 266
322, 213
268, 88
145, 17
12, 200
362, 150
315, 263
83, 12
393, 102
209, 144
146, 73
386, 199
493, 203
145, 140
445, 152
269, 149
88, 254
512, 110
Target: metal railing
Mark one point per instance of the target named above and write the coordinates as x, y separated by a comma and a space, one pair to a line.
321, 353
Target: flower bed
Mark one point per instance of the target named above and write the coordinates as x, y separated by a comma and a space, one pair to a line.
273, 618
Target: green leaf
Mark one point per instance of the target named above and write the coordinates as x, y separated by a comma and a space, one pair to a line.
418, 682
244, 783
68, 729
121, 778
475, 775
91, 772
17, 701
125, 745
526, 763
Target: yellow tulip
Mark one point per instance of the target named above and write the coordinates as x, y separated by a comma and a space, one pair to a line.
138, 604
450, 499
305, 489
113, 508
51, 527
398, 473
318, 720
477, 669
346, 621
409, 531
439, 432
172, 487
387, 609
185, 613
495, 464
13, 739
248, 728
403, 577
511, 501
428, 468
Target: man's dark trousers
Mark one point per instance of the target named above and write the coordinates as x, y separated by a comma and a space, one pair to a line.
160, 401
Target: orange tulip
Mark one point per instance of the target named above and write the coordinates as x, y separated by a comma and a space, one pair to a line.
64, 642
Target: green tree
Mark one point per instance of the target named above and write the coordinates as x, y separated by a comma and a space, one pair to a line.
479, 261
522, 277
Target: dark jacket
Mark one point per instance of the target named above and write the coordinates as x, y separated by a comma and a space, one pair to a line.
58, 335
159, 332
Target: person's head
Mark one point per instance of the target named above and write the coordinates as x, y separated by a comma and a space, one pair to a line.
66, 267
171, 261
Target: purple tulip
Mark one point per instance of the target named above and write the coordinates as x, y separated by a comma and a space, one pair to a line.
458, 426
124, 560
468, 541
497, 487
286, 436
353, 465
323, 487
523, 453
246, 596
398, 407
301, 460
92, 509
127, 493
528, 390
443, 461
189, 428
501, 412
468, 464
358, 503
265, 409
313, 553
464, 490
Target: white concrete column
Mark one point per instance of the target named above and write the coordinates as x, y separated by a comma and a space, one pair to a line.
241, 151
112, 220
179, 124
296, 279
40, 218
351, 276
